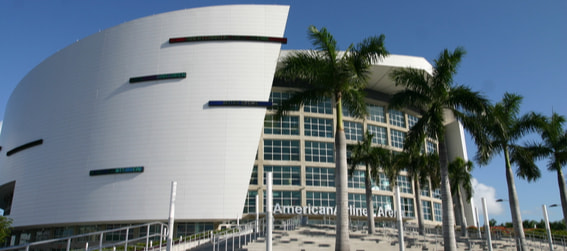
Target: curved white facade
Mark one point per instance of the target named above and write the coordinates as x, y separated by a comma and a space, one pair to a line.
80, 103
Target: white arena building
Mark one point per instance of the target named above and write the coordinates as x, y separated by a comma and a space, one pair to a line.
94, 135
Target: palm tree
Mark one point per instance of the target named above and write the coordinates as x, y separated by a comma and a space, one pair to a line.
554, 147
420, 167
392, 164
498, 131
328, 73
363, 152
460, 176
434, 94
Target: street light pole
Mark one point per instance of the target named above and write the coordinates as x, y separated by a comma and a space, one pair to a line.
549, 237
487, 224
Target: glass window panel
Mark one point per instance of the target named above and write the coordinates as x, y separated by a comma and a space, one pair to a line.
318, 176
288, 125
407, 207
426, 205
318, 127
437, 211
319, 152
250, 203
353, 130
376, 113
323, 107
380, 134
322, 199
281, 149
277, 97
431, 147
404, 184
412, 120
284, 175
284, 198
397, 138
397, 118
254, 176
425, 190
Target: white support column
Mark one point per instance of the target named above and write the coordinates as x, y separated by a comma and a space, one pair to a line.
400, 221
257, 214
477, 222
171, 215
487, 225
269, 216
549, 237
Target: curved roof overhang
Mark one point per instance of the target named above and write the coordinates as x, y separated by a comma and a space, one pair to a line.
380, 80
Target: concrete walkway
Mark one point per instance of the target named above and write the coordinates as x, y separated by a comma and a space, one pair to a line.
310, 238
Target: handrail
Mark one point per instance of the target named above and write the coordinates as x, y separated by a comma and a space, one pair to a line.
101, 234
248, 231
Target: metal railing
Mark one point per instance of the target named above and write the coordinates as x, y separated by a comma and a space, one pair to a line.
103, 239
152, 236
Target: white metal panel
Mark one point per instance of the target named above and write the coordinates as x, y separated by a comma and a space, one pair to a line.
80, 102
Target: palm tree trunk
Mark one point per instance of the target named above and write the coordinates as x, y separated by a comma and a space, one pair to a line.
562, 193
421, 226
369, 204
342, 242
514, 205
461, 208
450, 243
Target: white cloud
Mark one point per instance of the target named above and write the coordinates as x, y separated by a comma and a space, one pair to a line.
1, 127
489, 194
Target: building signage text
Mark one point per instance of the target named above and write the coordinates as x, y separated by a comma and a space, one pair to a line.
321, 210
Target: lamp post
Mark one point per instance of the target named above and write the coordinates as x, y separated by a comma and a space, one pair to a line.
549, 237
486, 224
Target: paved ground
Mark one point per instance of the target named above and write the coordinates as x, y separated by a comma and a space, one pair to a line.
323, 238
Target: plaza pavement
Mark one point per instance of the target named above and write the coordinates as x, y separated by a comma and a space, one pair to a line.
308, 238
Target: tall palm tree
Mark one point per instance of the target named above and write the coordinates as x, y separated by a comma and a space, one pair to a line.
434, 94
364, 153
328, 73
554, 147
499, 130
460, 176
392, 164
420, 167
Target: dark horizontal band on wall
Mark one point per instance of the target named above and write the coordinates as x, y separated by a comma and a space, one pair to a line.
239, 103
135, 169
25, 146
158, 77
282, 40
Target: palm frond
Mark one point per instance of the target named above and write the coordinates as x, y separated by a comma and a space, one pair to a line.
297, 99
367, 52
460, 176
354, 101
524, 159
462, 98
324, 42
413, 79
409, 98
446, 66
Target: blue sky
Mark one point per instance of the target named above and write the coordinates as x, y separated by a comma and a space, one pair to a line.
514, 46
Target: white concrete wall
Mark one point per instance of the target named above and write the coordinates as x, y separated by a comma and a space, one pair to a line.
456, 147
80, 103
